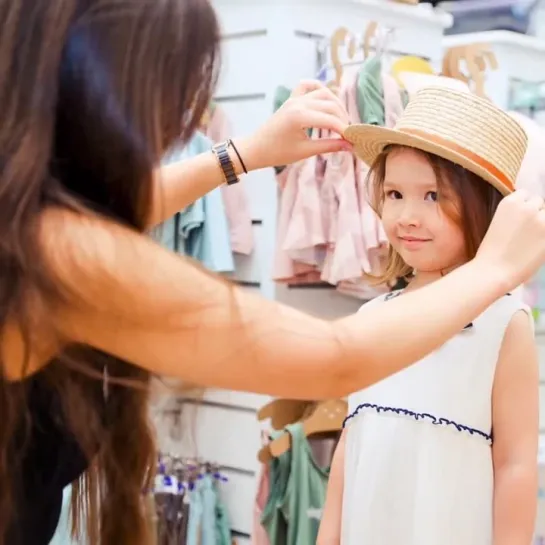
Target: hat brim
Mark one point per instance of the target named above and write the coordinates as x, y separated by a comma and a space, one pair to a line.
370, 140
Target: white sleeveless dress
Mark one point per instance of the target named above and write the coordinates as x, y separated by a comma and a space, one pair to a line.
418, 459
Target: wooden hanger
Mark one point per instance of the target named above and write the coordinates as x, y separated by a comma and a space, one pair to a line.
328, 416
339, 39
370, 34
282, 412
477, 58
451, 63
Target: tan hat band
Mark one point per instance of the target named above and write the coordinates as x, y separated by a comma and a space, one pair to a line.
443, 142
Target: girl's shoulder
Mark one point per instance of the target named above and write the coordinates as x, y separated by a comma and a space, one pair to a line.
380, 299
500, 313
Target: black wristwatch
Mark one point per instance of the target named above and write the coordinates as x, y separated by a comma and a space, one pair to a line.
224, 160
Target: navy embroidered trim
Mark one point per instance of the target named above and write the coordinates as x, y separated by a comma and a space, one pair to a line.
430, 418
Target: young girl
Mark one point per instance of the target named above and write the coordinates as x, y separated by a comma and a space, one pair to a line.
444, 452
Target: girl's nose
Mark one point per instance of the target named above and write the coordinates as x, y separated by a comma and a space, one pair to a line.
409, 217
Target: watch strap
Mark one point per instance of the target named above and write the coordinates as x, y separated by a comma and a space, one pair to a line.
224, 160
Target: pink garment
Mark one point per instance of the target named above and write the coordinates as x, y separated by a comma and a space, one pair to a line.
357, 233
326, 227
370, 224
300, 236
259, 534
531, 176
284, 267
393, 105
235, 199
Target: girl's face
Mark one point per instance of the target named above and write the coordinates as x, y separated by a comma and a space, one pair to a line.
414, 218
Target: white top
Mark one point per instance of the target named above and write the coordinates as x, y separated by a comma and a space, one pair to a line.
418, 459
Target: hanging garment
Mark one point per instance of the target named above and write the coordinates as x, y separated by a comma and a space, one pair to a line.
194, 527
360, 288
418, 457
370, 95
273, 519
346, 257
184, 523
531, 177
223, 524
393, 103
281, 94
201, 230
235, 198
357, 240
298, 487
300, 224
327, 232
259, 533
209, 501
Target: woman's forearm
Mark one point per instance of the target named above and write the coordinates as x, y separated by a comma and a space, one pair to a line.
179, 184
176, 320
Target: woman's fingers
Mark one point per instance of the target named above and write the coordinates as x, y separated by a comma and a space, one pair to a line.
316, 119
328, 107
305, 87
314, 90
322, 146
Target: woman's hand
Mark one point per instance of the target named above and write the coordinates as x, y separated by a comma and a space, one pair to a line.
514, 246
283, 139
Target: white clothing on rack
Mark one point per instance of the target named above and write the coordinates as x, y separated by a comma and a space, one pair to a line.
418, 457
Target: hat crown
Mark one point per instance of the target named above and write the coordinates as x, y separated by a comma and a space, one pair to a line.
468, 122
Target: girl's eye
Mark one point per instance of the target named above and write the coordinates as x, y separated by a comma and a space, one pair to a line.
393, 194
431, 196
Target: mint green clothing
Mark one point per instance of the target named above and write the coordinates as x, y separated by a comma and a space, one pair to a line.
201, 230
281, 94
272, 518
196, 508
293, 512
370, 93
223, 524
209, 501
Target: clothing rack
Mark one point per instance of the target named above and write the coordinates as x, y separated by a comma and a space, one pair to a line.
185, 505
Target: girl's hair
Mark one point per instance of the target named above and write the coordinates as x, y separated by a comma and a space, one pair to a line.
92, 93
465, 197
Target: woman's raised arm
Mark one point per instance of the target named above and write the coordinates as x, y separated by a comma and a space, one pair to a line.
131, 298
282, 140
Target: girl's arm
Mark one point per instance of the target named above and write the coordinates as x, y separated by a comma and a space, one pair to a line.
330, 527
515, 408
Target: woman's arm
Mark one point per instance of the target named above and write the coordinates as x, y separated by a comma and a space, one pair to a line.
515, 408
282, 140
179, 184
330, 526
128, 296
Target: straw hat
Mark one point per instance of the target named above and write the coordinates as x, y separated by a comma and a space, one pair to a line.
461, 127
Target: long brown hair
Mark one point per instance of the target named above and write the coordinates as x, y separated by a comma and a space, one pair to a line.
92, 93
465, 197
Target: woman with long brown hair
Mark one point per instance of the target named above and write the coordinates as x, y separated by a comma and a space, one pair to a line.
91, 96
